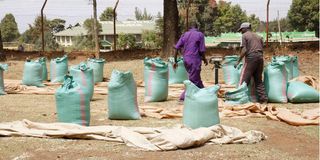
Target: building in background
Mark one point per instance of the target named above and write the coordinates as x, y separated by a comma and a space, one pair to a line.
65, 37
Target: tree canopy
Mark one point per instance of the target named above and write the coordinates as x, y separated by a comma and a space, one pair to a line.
142, 16
107, 14
304, 15
9, 28
33, 34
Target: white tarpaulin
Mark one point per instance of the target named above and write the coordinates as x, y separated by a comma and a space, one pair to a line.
151, 139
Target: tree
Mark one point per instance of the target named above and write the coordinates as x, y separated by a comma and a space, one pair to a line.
304, 15
142, 16
126, 41
170, 26
107, 14
254, 21
1, 45
57, 25
33, 34
9, 28
229, 18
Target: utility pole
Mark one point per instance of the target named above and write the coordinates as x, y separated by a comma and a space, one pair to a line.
42, 30
279, 27
95, 30
114, 26
267, 24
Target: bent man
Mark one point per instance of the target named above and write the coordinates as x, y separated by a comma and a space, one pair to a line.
252, 50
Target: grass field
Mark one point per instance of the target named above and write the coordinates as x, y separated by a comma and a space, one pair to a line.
284, 141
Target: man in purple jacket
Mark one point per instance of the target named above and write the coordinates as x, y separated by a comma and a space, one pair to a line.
193, 47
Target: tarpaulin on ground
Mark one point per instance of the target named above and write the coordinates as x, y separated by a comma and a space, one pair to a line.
151, 139
308, 117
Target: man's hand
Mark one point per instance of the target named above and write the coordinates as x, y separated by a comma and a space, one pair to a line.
205, 61
236, 65
175, 66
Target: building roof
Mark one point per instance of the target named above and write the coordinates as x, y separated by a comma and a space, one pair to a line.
126, 27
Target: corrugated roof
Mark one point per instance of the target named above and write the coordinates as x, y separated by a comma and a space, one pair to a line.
126, 27
74, 31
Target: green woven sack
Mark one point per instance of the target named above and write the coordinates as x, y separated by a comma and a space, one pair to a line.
32, 74
252, 93
287, 60
295, 67
73, 103
83, 75
155, 79
43, 62
230, 74
97, 66
200, 106
238, 96
299, 92
3, 67
180, 74
58, 69
122, 96
275, 82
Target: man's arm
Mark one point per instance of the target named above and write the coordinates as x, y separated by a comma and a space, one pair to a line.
202, 49
243, 49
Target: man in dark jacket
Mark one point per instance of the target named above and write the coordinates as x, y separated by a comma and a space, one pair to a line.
252, 50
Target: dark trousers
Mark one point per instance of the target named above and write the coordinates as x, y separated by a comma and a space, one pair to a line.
253, 67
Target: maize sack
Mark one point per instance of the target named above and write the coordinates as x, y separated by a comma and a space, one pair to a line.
3, 67
58, 69
200, 106
83, 75
122, 96
97, 66
32, 74
275, 82
295, 67
180, 74
230, 73
288, 63
299, 92
43, 62
73, 103
238, 96
252, 93
155, 79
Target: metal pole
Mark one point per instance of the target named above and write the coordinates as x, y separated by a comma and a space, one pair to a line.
279, 27
267, 24
42, 30
114, 27
95, 30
